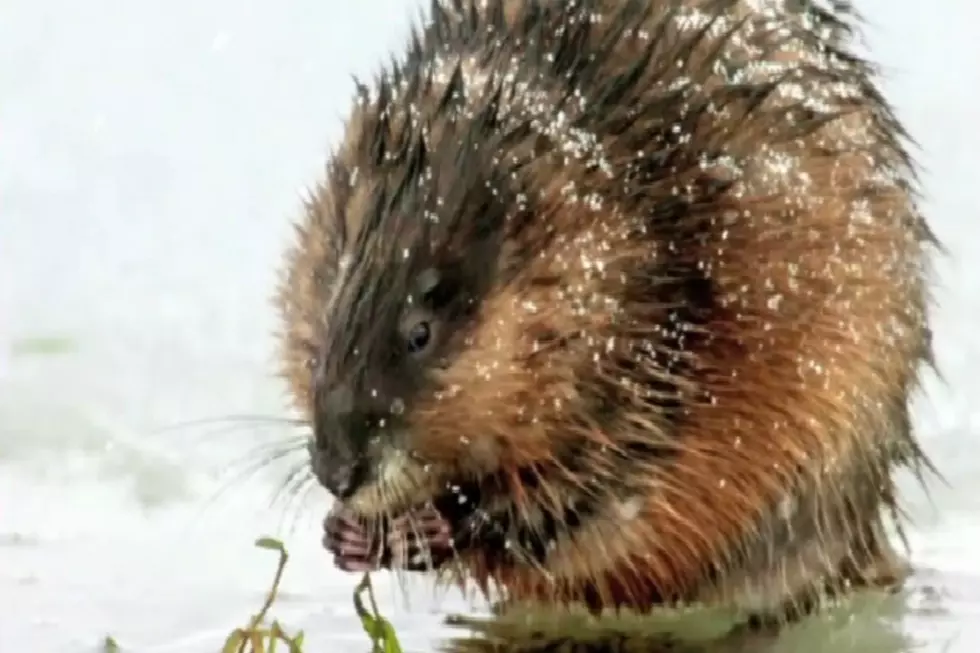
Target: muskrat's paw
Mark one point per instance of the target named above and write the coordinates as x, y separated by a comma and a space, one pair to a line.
353, 548
419, 541
416, 541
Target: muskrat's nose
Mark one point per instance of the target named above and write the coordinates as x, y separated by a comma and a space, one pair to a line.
342, 437
340, 477
338, 451
340, 466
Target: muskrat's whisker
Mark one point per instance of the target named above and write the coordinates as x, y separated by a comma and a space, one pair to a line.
292, 493
379, 529
251, 469
401, 571
265, 431
259, 428
262, 419
287, 497
423, 544
308, 486
291, 445
265, 420
265, 454
290, 483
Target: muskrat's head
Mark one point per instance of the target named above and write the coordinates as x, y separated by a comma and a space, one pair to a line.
455, 305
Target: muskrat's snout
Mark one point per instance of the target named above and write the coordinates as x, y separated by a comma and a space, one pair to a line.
338, 448
339, 466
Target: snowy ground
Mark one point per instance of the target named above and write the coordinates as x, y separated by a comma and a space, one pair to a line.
151, 156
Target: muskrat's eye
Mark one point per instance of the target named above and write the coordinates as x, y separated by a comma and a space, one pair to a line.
419, 336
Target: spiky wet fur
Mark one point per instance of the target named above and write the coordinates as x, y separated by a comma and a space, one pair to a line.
700, 277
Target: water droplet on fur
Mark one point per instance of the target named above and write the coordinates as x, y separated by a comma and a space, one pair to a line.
397, 407
630, 509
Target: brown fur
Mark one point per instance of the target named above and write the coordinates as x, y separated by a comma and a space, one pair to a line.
707, 321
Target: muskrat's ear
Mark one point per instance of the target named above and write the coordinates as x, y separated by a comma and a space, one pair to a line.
427, 281
440, 287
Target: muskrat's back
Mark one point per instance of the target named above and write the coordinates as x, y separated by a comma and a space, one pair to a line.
685, 277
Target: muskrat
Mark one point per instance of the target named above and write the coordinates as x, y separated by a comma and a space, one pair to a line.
617, 303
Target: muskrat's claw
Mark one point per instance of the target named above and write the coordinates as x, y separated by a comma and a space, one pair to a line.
419, 541
349, 541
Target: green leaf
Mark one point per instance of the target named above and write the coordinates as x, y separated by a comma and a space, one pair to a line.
295, 643
270, 543
391, 644
233, 643
42, 346
371, 627
257, 644
110, 645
